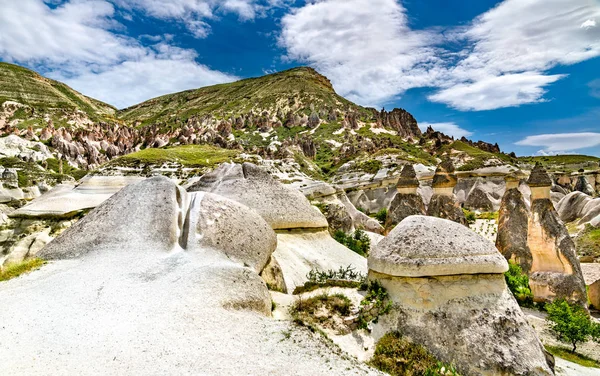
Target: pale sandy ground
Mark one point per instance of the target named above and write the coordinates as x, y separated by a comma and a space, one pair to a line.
488, 228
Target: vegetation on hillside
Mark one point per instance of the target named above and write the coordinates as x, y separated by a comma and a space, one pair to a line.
300, 88
397, 356
31, 173
477, 158
45, 96
192, 156
588, 241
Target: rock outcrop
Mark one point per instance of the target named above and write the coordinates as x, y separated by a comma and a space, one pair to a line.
281, 207
449, 295
406, 202
303, 239
577, 206
513, 220
120, 281
555, 270
443, 203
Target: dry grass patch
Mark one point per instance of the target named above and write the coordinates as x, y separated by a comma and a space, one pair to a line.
14, 270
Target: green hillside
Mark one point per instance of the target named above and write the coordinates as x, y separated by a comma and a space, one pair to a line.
41, 94
302, 90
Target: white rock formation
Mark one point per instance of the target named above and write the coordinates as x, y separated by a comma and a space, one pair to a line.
449, 295
122, 297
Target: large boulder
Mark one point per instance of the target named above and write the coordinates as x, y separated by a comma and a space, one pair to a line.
449, 295
230, 227
281, 207
144, 216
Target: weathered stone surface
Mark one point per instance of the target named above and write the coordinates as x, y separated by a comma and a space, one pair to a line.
539, 177
444, 175
299, 252
273, 276
571, 207
360, 219
230, 227
584, 186
471, 321
555, 268
444, 206
513, 220
66, 200
478, 200
338, 217
404, 205
408, 177
449, 295
426, 246
147, 213
281, 207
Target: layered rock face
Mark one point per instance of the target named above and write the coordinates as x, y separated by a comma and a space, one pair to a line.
406, 202
581, 207
449, 294
443, 203
553, 267
555, 270
303, 239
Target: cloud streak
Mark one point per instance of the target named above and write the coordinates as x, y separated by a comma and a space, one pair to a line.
553, 143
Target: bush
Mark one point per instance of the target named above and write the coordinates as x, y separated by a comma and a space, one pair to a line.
471, 217
518, 284
399, 357
359, 242
376, 301
571, 323
381, 215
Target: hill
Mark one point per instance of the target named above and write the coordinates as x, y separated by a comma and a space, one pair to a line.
27, 97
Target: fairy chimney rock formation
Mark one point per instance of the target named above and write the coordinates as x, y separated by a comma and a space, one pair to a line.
408, 183
443, 204
406, 202
444, 179
539, 182
437, 274
513, 220
555, 270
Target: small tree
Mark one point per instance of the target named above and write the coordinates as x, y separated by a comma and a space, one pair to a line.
571, 323
381, 215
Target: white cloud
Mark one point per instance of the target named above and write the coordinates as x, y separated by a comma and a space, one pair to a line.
77, 43
496, 91
162, 70
195, 14
554, 143
371, 54
364, 47
449, 128
588, 24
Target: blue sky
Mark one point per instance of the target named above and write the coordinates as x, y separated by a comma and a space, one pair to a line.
523, 73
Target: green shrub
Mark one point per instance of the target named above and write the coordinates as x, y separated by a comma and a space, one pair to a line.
571, 323
359, 242
346, 277
471, 217
381, 215
377, 298
397, 356
518, 283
